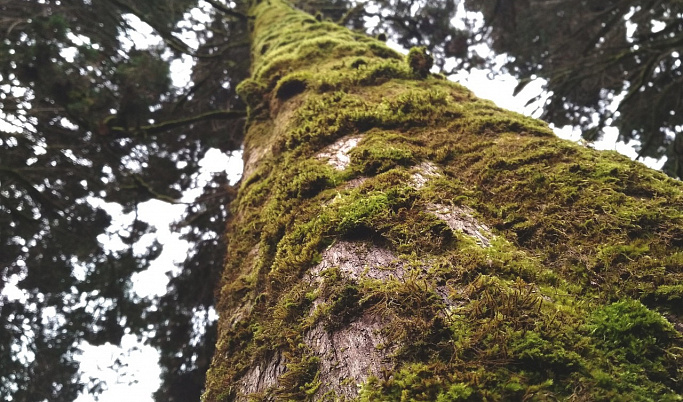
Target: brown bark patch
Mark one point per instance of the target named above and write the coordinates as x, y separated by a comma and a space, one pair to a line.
461, 219
262, 377
356, 260
425, 171
348, 355
337, 154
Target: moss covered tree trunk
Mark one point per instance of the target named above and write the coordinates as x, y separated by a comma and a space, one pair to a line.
395, 238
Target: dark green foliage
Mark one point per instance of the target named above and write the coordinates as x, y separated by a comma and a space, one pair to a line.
591, 53
78, 113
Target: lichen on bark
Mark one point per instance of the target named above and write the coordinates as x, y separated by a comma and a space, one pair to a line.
450, 249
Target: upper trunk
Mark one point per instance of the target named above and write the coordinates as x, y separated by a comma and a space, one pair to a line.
396, 238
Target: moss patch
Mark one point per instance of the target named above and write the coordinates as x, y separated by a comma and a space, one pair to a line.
420, 61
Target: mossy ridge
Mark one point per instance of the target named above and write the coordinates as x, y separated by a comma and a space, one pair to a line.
294, 42
547, 195
324, 118
519, 303
500, 353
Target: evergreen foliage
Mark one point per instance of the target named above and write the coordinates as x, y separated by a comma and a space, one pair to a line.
87, 117
90, 118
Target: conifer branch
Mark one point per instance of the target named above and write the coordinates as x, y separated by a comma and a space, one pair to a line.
168, 125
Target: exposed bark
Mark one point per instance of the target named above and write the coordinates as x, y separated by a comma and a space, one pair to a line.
396, 238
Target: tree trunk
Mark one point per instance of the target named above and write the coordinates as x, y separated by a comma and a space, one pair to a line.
395, 238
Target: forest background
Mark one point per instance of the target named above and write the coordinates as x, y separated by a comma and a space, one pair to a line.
94, 126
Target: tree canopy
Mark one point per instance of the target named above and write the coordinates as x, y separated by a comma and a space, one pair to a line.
89, 117
593, 54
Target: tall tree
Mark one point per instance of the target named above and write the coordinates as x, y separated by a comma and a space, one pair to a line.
395, 238
86, 117
90, 118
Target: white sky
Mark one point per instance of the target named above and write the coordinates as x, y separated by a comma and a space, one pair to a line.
139, 377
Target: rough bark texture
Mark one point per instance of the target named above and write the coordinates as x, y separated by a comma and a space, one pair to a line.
396, 238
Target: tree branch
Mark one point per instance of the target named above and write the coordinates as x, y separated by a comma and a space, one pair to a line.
222, 8
167, 125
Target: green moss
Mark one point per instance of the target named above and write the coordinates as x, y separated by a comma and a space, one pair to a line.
357, 63
326, 117
376, 73
370, 160
636, 332
252, 92
539, 362
300, 380
309, 179
612, 254
545, 355
358, 215
671, 295
420, 61
636, 348
455, 392
345, 306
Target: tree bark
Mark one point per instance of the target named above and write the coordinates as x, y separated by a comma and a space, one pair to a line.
396, 238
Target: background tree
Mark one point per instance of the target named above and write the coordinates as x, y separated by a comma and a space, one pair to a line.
88, 119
